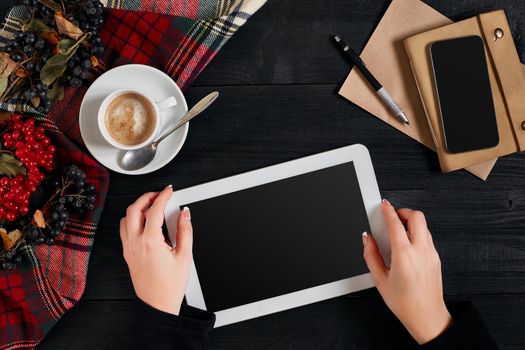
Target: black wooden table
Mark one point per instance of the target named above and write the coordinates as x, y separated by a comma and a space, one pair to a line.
278, 78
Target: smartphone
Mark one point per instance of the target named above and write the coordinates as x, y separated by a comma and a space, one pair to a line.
464, 94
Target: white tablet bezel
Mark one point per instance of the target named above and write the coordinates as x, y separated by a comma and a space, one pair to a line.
359, 155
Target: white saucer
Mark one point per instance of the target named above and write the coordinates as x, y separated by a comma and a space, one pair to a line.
154, 83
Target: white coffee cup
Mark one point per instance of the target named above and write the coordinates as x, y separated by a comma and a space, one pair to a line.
157, 107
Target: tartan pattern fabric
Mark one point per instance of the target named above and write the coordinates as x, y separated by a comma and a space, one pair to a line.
51, 279
179, 37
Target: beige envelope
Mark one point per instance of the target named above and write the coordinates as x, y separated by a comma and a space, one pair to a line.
386, 58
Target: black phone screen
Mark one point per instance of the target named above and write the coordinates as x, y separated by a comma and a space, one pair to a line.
464, 94
280, 237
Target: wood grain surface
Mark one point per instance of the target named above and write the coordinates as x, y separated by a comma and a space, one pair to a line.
278, 78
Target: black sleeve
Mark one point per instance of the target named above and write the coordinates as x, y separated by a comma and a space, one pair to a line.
466, 333
155, 329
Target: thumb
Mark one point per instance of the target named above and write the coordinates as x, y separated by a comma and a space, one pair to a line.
373, 259
184, 241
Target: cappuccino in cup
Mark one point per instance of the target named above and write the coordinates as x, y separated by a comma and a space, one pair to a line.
130, 119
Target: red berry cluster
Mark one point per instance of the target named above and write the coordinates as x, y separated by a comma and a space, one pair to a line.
33, 148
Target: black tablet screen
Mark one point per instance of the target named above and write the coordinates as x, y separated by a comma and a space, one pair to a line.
279, 237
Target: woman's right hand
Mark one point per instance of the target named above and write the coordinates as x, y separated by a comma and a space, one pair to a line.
412, 287
159, 272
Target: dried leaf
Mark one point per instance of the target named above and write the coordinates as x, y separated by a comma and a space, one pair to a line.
68, 47
15, 235
35, 101
67, 28
5, 238
7, 65
56, 93
4, 116
10, 238
36, 26
11, 166
21, 73
50, 37
53, 69
3, 84
51, 4
39, 219
94, 61
65, 45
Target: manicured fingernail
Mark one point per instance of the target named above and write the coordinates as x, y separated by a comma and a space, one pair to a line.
169, 186
385, 201
187, 214
365, 238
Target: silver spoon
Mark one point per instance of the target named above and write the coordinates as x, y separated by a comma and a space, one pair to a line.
139, 158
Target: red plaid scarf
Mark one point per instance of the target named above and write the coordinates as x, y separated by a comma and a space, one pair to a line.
51, 279
181, 42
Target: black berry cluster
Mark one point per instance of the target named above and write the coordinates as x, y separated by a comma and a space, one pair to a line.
78, 66
82, 196
33, 47
31, 53
70, 195
88, 16
10, 259
40, 10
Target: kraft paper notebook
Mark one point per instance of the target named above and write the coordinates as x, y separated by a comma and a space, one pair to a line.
386, 57
506, 79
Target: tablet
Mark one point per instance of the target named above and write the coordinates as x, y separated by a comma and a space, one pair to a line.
283, 236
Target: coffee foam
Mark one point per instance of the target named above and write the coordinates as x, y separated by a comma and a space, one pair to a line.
130, 119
